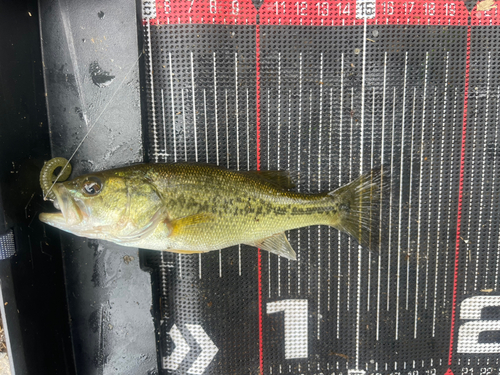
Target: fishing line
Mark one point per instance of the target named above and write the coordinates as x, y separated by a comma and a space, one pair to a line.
74, 60
92, 126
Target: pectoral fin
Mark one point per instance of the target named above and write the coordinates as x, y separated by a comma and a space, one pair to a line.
277, 244
190, 223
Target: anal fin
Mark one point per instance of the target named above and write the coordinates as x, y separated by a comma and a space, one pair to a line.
277, 244
183, 251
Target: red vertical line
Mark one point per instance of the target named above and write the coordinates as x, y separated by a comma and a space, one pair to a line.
259, 254
460, 195
257, 58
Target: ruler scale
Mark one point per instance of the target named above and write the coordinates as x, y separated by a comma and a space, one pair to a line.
386, 82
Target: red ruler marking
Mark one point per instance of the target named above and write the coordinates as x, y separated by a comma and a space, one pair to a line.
322, 13
352, 12
259, 253
460, 196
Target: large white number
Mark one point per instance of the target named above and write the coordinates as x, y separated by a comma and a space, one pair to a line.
282, 5
213, 6
301, 8
166, 7
450, 9
345, 10
295, 325
322, 9
365, 9
430, 9
409, 7
388, 8
236, 7
468, 333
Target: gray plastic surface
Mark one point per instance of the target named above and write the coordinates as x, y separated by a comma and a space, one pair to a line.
90, 55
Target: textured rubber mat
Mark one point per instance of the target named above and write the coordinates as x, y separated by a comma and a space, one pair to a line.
329, 90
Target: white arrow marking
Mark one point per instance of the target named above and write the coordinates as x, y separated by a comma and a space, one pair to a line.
181, 350
208, 349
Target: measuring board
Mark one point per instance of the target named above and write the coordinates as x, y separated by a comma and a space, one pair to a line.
329, 90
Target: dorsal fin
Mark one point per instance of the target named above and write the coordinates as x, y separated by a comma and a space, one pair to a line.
279, 178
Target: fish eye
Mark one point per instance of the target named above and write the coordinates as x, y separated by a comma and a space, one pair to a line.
92, 186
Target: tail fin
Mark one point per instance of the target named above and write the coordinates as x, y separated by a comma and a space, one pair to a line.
359, 207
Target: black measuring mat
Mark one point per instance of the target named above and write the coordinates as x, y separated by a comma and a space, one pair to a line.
330, 90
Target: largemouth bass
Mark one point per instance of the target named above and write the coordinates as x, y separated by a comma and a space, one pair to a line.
192, 208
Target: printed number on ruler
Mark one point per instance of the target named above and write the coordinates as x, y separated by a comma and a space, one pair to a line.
388, 8
344, 9
188, 6
148, 9
235, 7
296, 318
450, 9
365, 9
303, 8
491, 12
482, 371
167, 7
469, 332
414, 8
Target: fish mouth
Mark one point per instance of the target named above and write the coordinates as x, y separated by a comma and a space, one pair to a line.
70, 215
